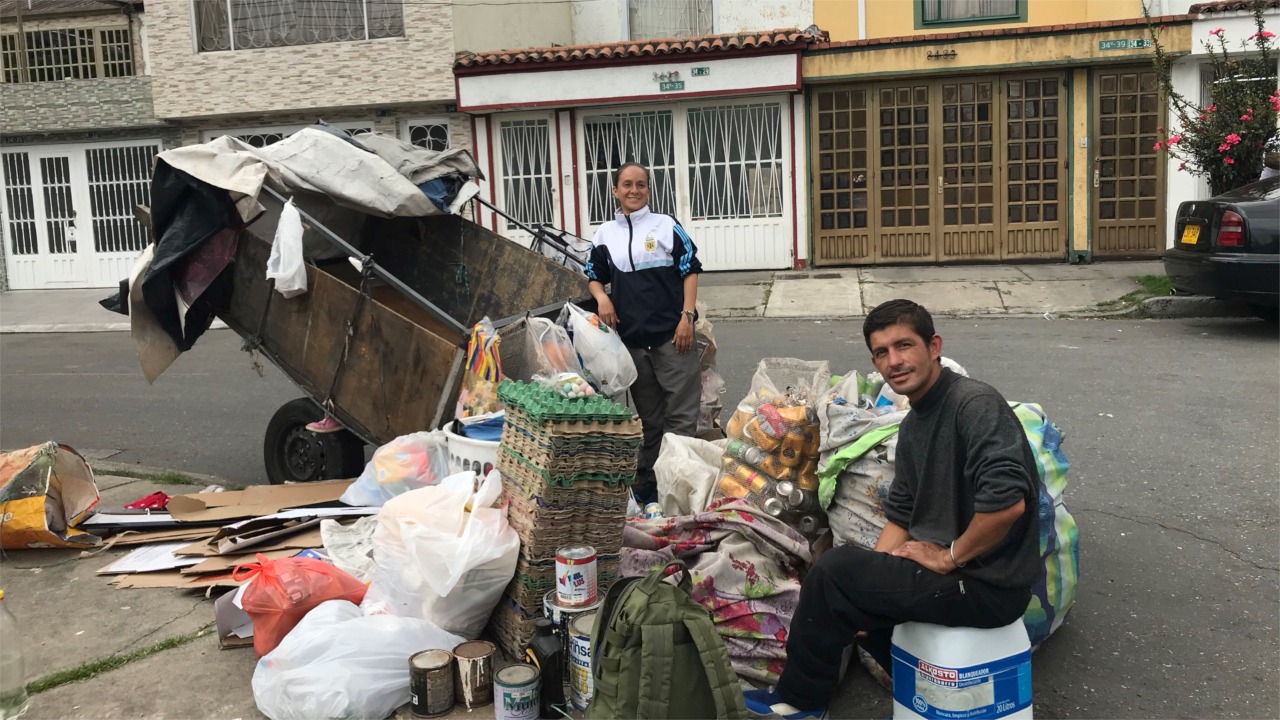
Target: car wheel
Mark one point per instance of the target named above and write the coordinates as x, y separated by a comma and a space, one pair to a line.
292, 453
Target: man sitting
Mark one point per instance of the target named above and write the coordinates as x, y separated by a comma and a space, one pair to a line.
961, 543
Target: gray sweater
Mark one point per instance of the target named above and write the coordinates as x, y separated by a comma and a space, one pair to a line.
962, 450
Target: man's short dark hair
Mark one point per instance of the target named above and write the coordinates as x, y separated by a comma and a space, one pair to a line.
898, 311
617, 174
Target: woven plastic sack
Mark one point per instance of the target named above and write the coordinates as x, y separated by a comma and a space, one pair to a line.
407, 463
284, 591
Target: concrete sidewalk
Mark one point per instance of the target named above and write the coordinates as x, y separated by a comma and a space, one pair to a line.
835, 293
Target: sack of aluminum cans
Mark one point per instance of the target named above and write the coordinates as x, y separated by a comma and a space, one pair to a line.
772, 456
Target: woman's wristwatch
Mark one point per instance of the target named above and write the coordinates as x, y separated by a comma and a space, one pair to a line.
690, 314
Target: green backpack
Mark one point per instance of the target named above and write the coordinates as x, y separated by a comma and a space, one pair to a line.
656, 654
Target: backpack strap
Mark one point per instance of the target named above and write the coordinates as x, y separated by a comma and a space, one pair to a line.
724, 683
657, 647
650, 583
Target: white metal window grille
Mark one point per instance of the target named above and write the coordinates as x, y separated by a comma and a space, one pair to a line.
429, 135
735, 161
59, 209
611, 140
117, 53
669, 18
248, 24
526, 171
21, 229
263, 136
941, 11
67, 54
119, 180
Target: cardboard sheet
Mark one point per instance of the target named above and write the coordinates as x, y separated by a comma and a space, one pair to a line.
254, 501
150, 558
227, 563
302, 541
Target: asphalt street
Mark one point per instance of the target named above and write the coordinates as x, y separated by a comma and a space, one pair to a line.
1171, 428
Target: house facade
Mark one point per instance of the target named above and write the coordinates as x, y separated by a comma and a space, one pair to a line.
77, 134
1192, 79
714, 110
986, 130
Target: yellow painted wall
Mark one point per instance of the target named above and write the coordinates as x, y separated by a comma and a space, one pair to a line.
897, 18
987, 54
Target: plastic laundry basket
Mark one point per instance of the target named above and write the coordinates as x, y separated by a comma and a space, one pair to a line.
480, 456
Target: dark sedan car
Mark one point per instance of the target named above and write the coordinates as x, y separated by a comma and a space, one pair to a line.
1229, 247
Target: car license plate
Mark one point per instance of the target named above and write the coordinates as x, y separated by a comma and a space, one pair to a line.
1190, 234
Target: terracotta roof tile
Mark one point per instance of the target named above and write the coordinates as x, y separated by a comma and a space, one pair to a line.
787, 37
1223, 6
1005, 32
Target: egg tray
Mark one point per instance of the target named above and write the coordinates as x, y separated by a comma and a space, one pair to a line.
564, 430
601, 457
533, 442
542, 404
598, 496
513, 463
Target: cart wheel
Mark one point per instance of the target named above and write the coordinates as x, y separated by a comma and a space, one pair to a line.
293, 453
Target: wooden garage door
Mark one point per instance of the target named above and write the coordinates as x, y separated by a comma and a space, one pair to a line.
1127, 206
966, 169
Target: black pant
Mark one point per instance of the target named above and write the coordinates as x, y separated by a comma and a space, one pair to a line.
852, 589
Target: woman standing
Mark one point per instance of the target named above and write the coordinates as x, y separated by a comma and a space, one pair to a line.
652, 269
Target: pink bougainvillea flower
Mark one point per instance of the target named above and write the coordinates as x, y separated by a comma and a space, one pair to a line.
1224, 147
1182, 166
1233, 139
1275, 101
1173, 139
1211, 108
1229, 161
1265, 34
1217, 32
1157, 147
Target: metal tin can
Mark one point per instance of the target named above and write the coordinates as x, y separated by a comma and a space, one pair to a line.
576, 581
515, 693
581, 686
652, 511
773, 506
431, 683
560, 617
473, 673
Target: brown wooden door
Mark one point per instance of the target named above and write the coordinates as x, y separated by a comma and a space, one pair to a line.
905, 226
1127, 207
1035, 171
967, 225
842, 222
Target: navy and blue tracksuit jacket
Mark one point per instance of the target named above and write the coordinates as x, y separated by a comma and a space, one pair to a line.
645, 257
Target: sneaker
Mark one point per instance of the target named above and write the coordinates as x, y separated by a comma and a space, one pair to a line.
768, 703
327, 425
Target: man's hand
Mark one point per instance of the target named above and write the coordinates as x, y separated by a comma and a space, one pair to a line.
934, 557
684, 335
604, 308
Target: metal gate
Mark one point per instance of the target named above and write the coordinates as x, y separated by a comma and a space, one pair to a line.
68, 213
721, 168
966, 169
1127, 206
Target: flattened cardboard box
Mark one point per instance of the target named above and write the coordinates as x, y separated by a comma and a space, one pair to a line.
253, 501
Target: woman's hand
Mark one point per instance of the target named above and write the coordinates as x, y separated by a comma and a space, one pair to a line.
604, 308
684, 335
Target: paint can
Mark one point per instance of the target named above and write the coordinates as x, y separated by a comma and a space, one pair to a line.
581, 686
516, 691
576, 580
473, 673
431, 683
560, 617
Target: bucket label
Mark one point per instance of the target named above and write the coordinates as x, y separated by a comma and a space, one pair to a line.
990, 690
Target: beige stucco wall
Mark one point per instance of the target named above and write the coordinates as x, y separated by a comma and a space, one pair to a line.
416, 68
481, 25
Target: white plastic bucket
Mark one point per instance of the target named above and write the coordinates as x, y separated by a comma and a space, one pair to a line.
465, 454
948, 673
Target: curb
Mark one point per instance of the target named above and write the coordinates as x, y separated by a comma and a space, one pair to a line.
1193, 306
146, 472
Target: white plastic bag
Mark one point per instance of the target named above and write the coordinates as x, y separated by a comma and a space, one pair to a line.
686, 471
548, 349
337, 663
285, 264
443, 554
350, 547
603, 354
406, 463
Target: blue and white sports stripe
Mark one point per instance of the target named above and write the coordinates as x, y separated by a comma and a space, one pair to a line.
687, 258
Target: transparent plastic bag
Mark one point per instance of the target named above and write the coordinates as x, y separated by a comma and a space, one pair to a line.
285, 264
337, 663
604, 356
444, 554
479, 394
550, 349
407, 463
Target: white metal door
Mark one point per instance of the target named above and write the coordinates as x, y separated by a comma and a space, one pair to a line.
526, 176
722, 169
46, 228
119, 179
18, 212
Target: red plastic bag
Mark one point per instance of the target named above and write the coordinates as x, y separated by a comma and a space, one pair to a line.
283, 591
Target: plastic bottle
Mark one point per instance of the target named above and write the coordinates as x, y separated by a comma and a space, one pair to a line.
942, 672
13, 689
546, 653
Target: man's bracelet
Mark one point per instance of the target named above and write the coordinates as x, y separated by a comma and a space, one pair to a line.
952, 551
